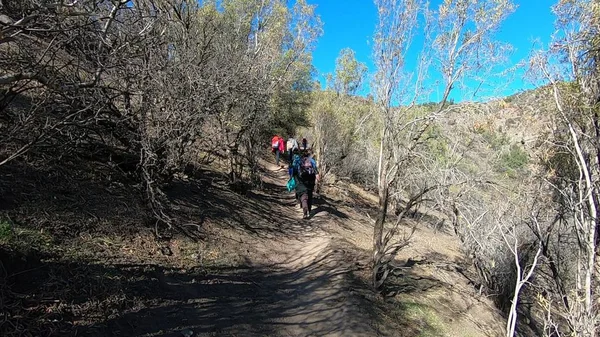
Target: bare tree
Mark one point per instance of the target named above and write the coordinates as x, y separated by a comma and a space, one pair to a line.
575, 87
512, 237
461, 52
337, 114
396, 26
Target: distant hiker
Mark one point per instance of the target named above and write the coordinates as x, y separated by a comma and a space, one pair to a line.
305, 172
277, 147
304, 144
291, 145
311, 155
281, 148
274, 143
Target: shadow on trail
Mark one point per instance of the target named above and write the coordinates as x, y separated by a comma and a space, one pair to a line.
150, 300
70, 198
53, 295
320, 205
239, 301
268, 212
75, 197
287, 201
259, 213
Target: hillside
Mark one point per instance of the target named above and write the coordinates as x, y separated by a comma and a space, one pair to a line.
503, 138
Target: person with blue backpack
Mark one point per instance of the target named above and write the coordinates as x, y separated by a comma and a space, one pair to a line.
294, 160
304, 172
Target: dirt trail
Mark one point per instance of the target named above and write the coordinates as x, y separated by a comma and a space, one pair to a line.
294, 283
309, 274
275, 274
316, 286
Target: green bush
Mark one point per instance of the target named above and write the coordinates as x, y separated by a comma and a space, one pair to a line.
512, 162
495, 139
515, 159
5, 231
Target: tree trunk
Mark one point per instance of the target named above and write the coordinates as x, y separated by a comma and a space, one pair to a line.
379, 272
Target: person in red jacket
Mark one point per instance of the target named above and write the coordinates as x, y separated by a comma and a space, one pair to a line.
277, 147
281, 149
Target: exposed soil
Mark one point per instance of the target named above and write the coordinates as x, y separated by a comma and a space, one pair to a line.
248, 266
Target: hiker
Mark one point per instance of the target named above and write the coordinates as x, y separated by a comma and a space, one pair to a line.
306, 174
311, 155
277, 147
304, 144
291, 145
281, 149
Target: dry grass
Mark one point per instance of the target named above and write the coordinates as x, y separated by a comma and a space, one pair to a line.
431, 297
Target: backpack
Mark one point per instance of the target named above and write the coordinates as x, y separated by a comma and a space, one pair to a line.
306, 169
291, 184
296, 159
291, 144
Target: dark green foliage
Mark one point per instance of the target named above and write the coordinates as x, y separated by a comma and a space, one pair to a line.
5, 230
496, 140
512, 162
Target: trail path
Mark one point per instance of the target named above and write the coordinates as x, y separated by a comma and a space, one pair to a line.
275, 274
304, 291
295, 284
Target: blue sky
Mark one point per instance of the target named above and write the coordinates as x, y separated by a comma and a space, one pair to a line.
350, 23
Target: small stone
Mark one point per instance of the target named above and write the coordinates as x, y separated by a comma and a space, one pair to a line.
187, 333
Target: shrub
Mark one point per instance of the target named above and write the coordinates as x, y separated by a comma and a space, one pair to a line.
512, 162
495, 139
5, 231
515, 159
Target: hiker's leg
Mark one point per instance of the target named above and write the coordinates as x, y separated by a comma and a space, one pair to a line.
277, 157
310, 199
304, 203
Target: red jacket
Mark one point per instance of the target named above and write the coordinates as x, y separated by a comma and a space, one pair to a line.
281, 145
273, 140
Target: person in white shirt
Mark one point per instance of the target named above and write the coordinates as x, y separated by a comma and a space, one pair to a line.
291, 145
